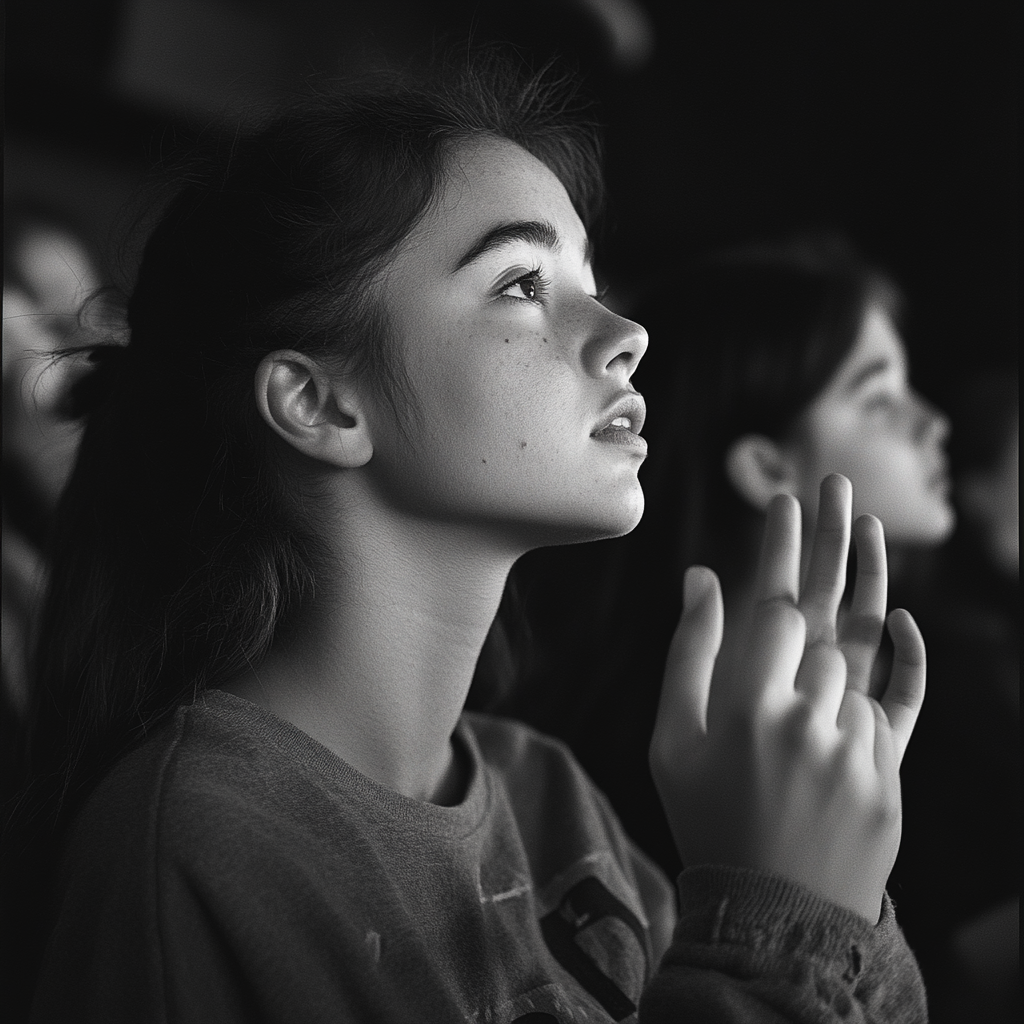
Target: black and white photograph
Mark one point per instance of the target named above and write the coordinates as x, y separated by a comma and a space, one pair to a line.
510, 513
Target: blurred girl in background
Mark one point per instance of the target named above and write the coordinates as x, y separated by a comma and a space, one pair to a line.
49, 271
775, 364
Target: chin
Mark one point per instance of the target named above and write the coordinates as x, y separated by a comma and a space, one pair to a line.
631, 513
586, 525
927, 530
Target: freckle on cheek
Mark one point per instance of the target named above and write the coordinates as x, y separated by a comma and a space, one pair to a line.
506, 341
522, 444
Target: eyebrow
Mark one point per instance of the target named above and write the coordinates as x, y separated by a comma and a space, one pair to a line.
534, 232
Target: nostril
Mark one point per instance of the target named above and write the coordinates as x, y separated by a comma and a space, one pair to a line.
627, 359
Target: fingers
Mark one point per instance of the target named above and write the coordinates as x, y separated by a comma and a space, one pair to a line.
770, 661
778, 571
870, 586
822, 679
887, 755
857, 718
861, 630
826, 574
682, 709
904, 695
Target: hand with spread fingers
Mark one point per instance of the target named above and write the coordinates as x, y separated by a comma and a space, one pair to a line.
789, 766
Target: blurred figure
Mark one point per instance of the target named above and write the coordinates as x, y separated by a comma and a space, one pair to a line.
49, 271
957, 878
771, 366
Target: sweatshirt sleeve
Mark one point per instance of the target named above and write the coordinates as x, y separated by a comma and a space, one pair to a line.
752, 948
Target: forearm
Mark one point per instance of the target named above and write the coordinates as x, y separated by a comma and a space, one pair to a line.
754, 948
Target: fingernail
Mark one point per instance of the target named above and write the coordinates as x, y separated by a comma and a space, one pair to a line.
696, 586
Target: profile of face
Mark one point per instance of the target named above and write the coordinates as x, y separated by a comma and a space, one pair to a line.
869, 424
525, 419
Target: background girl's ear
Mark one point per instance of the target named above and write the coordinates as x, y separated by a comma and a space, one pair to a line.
757, 467
318, 413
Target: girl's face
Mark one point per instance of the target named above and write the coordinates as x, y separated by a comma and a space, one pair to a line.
871, 426
527, 420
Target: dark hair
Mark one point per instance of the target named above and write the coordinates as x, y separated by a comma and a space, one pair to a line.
182, 544
742, 342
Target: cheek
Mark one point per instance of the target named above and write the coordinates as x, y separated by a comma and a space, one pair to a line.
879, 470
499, 399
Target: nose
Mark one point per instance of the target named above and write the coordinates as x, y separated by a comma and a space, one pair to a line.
932, 423
615, 345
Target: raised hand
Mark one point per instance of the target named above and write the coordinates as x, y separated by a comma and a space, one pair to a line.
789, 766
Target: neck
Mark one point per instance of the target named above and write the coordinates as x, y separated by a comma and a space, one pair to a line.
378, 666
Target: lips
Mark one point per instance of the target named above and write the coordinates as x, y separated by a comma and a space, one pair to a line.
627, 414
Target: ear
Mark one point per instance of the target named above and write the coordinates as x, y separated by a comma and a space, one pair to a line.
759, 469
317, 413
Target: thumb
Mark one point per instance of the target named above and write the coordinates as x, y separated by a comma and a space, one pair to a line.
682, 710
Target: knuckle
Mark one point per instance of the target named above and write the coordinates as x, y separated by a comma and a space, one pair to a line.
864, 624
826, 657
799, 729
780, 613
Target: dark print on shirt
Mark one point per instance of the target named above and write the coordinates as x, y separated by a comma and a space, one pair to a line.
600, 942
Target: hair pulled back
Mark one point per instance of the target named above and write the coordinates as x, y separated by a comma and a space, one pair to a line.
181, 545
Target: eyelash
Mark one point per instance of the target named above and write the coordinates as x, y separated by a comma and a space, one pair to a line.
540, 285
536, 278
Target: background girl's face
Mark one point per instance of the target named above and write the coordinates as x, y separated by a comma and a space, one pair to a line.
871, 426
526, 416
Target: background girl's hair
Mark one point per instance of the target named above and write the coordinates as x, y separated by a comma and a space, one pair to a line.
182, 546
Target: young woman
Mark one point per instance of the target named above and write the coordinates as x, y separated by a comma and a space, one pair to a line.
367, 370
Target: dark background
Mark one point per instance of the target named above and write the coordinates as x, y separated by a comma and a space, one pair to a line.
897, 124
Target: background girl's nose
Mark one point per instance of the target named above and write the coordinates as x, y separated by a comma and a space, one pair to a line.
933, 423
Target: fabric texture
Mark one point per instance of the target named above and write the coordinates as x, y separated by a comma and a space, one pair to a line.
233, 869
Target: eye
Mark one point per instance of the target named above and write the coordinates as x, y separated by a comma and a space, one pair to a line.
529, 287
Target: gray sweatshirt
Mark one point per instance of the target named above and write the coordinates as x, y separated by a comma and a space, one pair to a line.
232, 869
